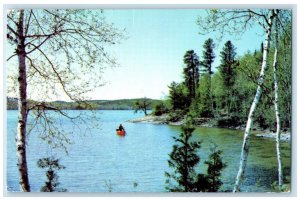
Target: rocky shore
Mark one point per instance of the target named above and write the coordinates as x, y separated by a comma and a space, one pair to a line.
203, 122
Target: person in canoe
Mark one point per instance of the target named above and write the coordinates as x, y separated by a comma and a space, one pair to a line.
121, 128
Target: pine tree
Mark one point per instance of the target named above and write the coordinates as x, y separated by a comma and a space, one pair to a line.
178, 96
191, 72
215, 166
228, 72
208, 57
206, 70
183, 159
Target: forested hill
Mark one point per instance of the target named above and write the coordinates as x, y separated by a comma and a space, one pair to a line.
121, 104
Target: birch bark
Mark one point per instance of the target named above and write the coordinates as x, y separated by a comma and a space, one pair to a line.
246, 141
22, 108
277, 113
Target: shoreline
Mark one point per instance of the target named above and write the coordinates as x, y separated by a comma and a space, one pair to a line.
163, 119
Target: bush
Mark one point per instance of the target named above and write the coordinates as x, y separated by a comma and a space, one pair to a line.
160, 109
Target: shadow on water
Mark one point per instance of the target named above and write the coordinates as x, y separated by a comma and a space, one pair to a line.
263, 179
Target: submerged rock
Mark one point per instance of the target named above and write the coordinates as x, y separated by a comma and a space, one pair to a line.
283, 136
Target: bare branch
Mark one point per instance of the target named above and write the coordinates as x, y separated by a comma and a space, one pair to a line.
38, 45
12, 20
32, 65
258, 14
27, 25
37, 21
13, 31
56, 73
11, 56
259, 22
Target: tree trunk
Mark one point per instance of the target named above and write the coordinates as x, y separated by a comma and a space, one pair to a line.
22, 108
277, 113
246, 142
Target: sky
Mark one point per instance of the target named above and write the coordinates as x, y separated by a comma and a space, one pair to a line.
152, 56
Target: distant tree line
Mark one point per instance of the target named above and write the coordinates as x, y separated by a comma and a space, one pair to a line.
122, 104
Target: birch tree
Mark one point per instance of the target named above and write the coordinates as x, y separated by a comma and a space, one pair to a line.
234, 22
56, 54
276, 106
246, 143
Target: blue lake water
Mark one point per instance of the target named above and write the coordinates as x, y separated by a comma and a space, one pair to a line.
99, 160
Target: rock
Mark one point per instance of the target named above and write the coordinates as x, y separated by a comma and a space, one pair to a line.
283, 136
151, 119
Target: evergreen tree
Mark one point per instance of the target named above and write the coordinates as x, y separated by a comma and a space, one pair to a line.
183, 159
178, 95
51, 185
215, 166
191, 72
208, 59
228, 72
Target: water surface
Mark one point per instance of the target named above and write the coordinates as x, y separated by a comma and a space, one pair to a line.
100, 160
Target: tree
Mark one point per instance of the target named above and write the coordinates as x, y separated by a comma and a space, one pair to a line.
51, 185
58, 52
191, 72
178, 95
208, 59
183, 159
204, 103
228, 72
233, 22
215, 166
276, 106
161, 108
142, 104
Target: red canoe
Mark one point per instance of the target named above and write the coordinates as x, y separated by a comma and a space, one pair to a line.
122, 132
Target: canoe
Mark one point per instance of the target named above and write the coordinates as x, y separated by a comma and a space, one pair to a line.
122, 132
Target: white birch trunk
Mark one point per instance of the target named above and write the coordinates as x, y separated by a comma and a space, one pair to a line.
277, 113
246, 142
22, 109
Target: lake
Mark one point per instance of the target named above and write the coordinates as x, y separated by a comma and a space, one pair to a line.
98, 160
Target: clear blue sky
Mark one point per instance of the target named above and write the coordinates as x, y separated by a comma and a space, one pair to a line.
151, 58
152, 55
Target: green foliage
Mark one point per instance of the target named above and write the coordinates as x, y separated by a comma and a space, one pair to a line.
204, 100
208, 57
191, 72
227, 94
178, 94
52, 184
227, 70
142, 104
215, 166
122, 104
183, 159
160, 108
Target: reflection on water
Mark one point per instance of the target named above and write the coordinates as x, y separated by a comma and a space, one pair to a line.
101, 161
